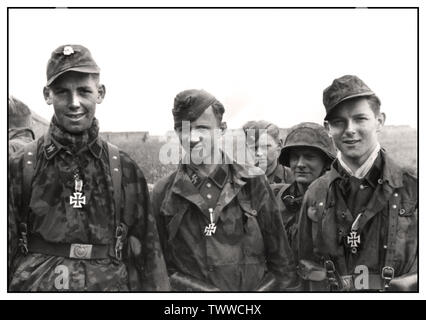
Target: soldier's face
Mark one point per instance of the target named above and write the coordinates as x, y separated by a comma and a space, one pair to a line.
307, 164
74, 96
267, 151
203, 137
354, 128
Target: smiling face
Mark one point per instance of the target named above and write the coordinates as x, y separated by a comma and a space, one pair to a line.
74, 96
354, 127
306, 163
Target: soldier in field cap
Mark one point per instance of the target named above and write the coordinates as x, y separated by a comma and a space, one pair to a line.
267, 156
20, 123
219, 225
79, 212
358, 222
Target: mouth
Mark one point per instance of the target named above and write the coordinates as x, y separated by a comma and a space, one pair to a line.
76, 116
301, 173
351, 142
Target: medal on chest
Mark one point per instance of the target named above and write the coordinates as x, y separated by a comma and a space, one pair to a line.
354, 239
210, 229
77, 199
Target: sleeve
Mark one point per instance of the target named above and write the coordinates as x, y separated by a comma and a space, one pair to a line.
145, 253
13, 207
279, 258
158, 195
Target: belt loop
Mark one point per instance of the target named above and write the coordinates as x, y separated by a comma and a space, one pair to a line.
388, 274
23, 240
120, 235
332, 276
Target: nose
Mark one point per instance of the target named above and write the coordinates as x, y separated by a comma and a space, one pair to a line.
259, 153
195, 137
301, 162
350, 128
75, 100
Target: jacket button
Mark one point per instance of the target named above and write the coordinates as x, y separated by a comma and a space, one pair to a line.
380, 181
394, 206
208, 185
362, 187
209, 196
340, 232
343, 215
395, 194
320, 204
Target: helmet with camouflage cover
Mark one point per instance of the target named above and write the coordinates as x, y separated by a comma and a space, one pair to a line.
308, 134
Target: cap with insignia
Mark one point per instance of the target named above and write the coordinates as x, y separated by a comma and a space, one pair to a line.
190, 104
344, 88
70, 58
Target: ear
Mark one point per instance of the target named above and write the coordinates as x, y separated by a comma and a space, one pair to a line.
381, 118
47, 95
280, 144
101, 93
223, 126
327, 127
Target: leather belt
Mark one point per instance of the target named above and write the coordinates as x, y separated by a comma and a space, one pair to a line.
69, 250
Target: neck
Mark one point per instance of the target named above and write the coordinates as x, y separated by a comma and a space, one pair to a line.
302, 187
207, 168
355, 163
271, 168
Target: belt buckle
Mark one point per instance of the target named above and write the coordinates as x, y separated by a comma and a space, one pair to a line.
388, 273
80, 251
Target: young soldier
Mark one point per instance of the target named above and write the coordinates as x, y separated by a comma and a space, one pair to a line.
359, 220
79, 211
266, 157
308, 151
219, 225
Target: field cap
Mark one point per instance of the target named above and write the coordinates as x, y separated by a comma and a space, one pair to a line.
344, 88
190, 104
70, 57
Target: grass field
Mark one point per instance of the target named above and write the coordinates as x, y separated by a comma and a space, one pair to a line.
399, 141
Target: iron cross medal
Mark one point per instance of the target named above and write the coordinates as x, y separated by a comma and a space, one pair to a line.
354, 239
77, 199
210, 229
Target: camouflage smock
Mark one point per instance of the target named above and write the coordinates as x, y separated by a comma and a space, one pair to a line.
52, 218
250, 239
326, 221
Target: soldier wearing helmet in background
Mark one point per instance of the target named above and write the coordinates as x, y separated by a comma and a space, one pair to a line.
308, 151
266, 157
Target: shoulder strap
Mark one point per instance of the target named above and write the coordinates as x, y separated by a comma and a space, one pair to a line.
115, 170
29, 165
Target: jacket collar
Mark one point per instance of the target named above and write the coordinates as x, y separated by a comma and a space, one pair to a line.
391, 172
51, 147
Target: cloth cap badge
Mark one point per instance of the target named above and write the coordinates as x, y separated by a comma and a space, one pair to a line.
68, 50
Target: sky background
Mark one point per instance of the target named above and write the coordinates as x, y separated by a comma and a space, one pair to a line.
261, 64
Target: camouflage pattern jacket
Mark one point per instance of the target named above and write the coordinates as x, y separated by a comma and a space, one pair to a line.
281, 175
52, 219
18, 137
387, 228
249, 242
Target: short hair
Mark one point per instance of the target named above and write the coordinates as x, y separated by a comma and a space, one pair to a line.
373, 102
218, 110
19, 115
271, 129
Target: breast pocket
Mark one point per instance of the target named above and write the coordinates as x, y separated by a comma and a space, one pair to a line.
407, 219
253, 243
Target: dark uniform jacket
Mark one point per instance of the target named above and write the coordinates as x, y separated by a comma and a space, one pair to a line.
386, 202
51, 219
249, 242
